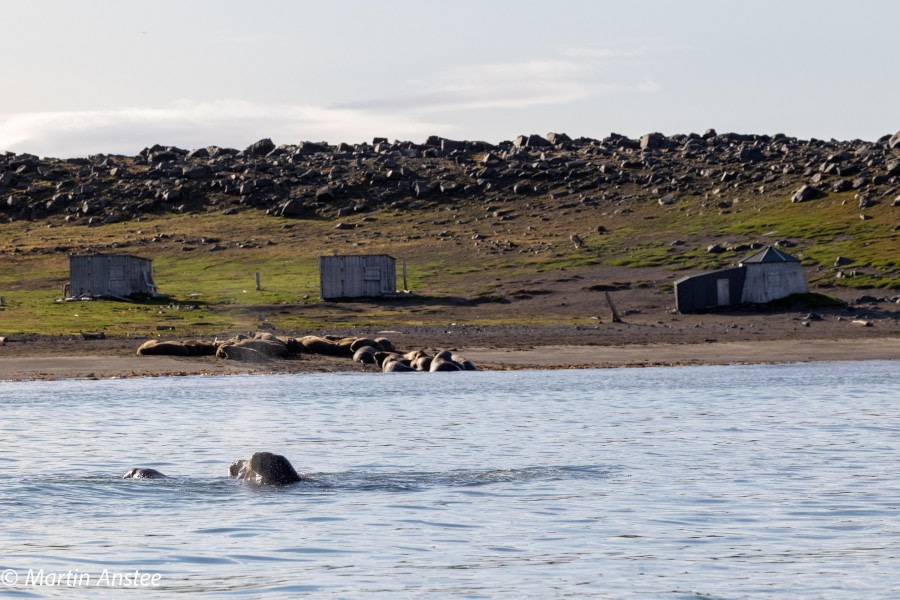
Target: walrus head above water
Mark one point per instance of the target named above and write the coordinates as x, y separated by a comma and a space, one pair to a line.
144, 473
264, 468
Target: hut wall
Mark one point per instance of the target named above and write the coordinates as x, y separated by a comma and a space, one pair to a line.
357, 276
709, 290
769, 281
118, 275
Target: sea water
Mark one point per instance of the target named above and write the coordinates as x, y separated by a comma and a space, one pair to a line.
695, 482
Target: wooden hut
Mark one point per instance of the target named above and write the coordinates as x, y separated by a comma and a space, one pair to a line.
357, 276
117, 275
764, 276
771, 274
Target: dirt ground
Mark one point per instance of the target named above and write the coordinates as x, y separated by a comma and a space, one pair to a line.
582, 332
691, 340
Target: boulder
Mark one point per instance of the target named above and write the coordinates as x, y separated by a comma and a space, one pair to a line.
805, 193
652, 141
558, 138
751, 154
294, 208
260, 148
894, 142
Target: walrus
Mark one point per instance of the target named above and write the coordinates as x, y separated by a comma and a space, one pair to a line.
162, 348
272, 349
383, 357
466, 364
199, 348
317, 345
346, 345
438, 364
241, 353
443, 355
361, 342
293, 346
385, 344
144, 473
365, 355
423, 363
265, 468
414, 355
396, 365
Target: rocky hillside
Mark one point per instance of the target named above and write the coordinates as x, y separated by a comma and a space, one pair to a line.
311, 179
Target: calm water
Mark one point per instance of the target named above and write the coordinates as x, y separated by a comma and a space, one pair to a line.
709, 482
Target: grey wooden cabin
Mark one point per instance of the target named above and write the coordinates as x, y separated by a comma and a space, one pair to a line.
119, 275
764, 276
357, 276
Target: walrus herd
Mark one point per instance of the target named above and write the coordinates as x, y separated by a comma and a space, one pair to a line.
265, 346
262, 468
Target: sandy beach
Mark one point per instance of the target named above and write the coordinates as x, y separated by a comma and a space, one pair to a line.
634, 345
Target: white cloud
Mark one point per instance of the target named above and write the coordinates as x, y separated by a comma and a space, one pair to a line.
581, 74
456, 94
195, 124
601, 53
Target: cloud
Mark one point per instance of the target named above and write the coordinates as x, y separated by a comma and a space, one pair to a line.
580, 74
601, 53
441, 104
194, 124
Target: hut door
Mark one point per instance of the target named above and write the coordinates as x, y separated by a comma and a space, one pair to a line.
723, 292
372, 281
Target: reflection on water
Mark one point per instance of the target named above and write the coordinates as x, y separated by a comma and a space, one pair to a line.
685, 483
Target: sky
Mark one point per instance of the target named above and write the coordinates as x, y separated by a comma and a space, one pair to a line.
112, 76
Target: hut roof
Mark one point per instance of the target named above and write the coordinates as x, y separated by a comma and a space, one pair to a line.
769, 255
356, 255
109, 255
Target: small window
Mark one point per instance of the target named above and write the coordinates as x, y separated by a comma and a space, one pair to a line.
372, 274
117, 273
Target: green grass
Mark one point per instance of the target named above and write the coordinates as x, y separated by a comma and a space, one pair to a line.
216, 291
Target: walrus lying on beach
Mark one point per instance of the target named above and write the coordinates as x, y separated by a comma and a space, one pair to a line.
174, 348
144, 473
264, 468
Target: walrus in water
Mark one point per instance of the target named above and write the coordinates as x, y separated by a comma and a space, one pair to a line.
264, 468
144, 473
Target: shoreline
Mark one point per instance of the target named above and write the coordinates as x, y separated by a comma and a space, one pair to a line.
114, 364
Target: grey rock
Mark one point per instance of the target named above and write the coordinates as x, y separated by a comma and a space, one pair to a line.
652, 141
260, 148
805, 193
894, 142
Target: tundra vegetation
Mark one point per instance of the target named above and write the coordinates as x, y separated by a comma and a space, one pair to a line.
473, 221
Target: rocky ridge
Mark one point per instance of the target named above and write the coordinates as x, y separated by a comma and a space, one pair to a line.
318, 179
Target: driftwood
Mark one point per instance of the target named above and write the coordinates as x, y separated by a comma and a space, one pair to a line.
612, 308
